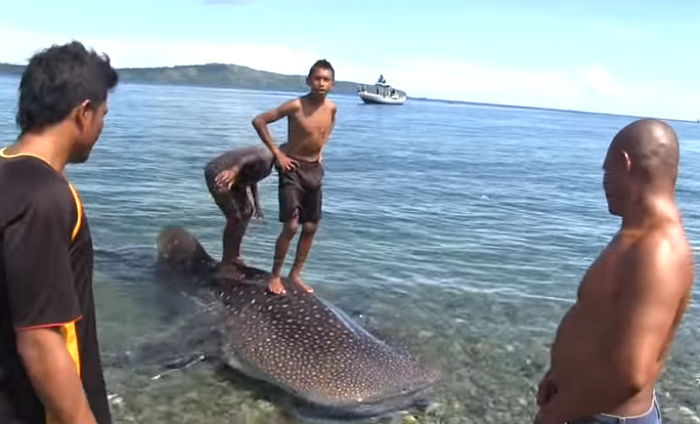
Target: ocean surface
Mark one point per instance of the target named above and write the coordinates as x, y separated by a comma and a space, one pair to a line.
460, 231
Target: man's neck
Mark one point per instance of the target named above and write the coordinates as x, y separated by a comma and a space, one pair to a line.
47, 145
649, 212
316, 99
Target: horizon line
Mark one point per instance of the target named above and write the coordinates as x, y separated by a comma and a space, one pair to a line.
469, 102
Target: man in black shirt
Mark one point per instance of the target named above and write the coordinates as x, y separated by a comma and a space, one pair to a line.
50, 370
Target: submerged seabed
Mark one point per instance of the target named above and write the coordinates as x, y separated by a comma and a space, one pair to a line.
491, 347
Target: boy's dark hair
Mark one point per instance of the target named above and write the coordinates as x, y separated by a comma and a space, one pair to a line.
321, 64
58, 79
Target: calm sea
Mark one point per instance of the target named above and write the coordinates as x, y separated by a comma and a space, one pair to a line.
458, 230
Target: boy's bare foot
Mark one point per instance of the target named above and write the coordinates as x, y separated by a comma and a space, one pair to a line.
296, 279
274, 284
229, 271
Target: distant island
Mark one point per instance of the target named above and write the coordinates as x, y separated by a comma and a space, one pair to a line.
214, 75
6, 68
237, 76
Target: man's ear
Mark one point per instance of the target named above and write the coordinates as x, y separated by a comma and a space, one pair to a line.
627, 160
83, 113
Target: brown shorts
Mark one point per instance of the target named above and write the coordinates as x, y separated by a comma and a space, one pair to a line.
300, 192
234, 203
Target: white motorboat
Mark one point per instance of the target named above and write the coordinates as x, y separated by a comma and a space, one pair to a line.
381, 93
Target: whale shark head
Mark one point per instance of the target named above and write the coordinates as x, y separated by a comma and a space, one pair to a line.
180, 253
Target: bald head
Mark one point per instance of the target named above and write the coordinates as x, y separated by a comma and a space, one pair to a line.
652, 149
642, 160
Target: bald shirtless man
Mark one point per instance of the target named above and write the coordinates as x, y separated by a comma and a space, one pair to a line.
611, 346
310, 120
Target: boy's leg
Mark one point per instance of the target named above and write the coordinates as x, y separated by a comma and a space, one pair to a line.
308, 232
233, 236
237, 219
226, 202
310, 216
236, 208
230, 260
290, 194
289, 229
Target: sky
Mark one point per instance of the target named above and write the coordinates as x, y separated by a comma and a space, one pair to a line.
638, 57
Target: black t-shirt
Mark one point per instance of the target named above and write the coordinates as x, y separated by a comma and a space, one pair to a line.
46, 261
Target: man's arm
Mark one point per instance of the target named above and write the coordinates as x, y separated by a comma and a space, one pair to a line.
260, 124
648, 305
225, 179
333, 113
546, 388
54, 375
647, 302
330, 130
256, 202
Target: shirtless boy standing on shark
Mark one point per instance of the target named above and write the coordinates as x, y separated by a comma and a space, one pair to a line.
310, 120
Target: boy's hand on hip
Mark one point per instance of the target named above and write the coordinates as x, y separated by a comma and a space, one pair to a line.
286, 163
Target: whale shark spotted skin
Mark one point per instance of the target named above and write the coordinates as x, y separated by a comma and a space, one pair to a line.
301, 343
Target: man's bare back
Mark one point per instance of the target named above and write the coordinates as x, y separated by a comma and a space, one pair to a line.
610, 347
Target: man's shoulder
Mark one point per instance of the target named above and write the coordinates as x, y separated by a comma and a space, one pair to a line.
663, 252
292, 104
31, 175
27, 184
33, 180
664, 242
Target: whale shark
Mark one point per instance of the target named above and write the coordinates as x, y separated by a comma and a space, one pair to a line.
327, 363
